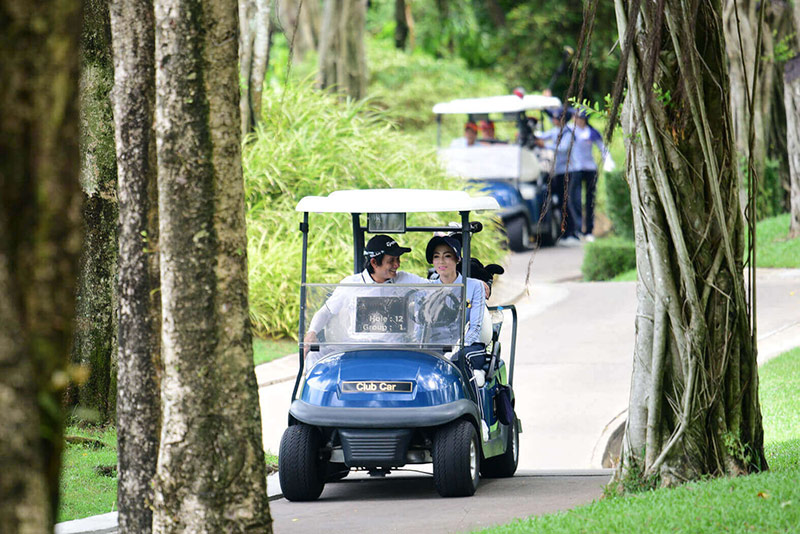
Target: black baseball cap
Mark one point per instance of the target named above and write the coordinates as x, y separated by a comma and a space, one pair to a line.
383, 244
450, 241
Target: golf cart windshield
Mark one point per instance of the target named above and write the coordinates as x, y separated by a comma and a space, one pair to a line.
369, 315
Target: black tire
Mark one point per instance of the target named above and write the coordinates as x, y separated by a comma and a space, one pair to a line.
552, 227
456, 459
300, 468
504, 465
519, 235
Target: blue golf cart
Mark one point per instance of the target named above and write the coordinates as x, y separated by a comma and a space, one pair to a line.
377, 388
515, 173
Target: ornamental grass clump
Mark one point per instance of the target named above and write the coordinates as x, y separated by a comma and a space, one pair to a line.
311, 143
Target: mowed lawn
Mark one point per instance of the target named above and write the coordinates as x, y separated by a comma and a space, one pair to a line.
765, 502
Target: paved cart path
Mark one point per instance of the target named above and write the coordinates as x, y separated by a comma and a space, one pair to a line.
409, 502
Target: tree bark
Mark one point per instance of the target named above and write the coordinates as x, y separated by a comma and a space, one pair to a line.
342, 58
95, 326
254, 45
299, 20
792, 100
694, 407
211, 474
740, 44
138, 403
40, 207
400, 24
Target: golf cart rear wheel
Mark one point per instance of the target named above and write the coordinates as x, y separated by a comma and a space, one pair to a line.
300, 468
504, 465
552, 227
456, 459
519, 235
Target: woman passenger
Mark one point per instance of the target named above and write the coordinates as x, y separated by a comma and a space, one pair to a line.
444, 253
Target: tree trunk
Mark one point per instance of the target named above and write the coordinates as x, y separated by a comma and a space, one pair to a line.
694, 407
254, 44
138, 403
400, 24
342, 58
211, 474
40, 210
95, 326
792, 101
299, 20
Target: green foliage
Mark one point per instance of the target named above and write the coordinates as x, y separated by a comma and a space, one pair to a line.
765, 502
407, 86
618, 203
608, 257
311, 143
770, 197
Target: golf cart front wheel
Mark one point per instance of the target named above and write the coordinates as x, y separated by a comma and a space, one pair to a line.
456, 459
300, 469
504, 465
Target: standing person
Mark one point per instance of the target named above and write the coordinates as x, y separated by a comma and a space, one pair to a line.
444, 253
470, 136
563, 164
583, 173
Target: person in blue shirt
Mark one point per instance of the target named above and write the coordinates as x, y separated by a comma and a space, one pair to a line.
559, 139
444, 253
583, 173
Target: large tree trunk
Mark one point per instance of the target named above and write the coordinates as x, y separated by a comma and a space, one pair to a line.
95, 325
254, 45
300, 21
694, 405
211, 474
792, 99
138, 403
342, 58
741, 38
40, 210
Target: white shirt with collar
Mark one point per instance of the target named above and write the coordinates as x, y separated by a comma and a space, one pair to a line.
341, 296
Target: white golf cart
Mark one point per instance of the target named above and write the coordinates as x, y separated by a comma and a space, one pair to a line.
514, 172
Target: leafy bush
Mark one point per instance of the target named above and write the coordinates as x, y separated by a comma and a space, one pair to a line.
770, 198
312, 143
408, 85
606, 258
618, 203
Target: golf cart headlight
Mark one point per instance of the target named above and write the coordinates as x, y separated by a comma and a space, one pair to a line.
527, 191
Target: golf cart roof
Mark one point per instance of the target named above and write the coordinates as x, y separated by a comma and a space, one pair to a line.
496, 104
395, 201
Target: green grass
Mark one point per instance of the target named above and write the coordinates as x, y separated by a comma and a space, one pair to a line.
84, 492
773, 249
765, 502
266, 350
627, 276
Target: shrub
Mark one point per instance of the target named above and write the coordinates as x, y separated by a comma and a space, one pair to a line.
311, 143
618, 203
606, 258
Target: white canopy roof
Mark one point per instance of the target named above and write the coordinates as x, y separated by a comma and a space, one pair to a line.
497, 104
395, 201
